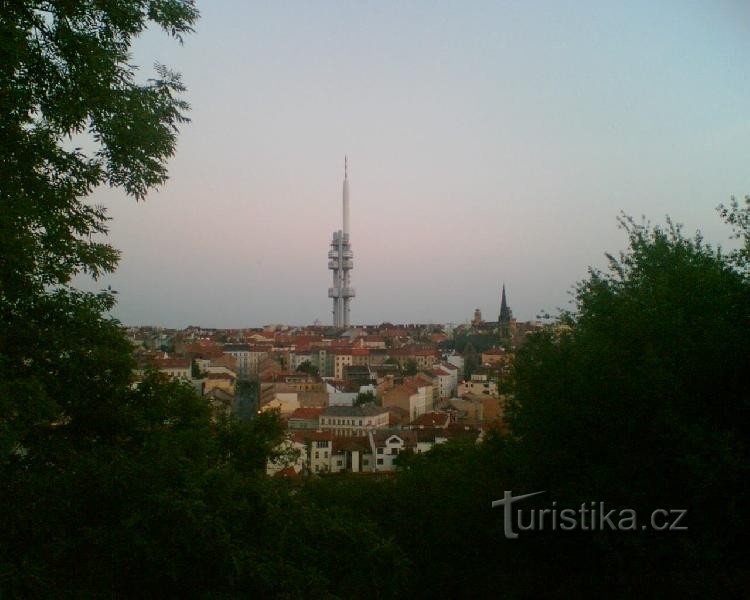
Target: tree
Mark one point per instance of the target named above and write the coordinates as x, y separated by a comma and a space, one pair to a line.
410, 367
307, 367
472, 361
109, 488
739, 219
195, 371
65, 72
364, 398
639, 398
392, 361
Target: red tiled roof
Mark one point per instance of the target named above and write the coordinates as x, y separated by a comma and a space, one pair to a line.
303, 436
360, 443
432, 419
306, 413
172, 363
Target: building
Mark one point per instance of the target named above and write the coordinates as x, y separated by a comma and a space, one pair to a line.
469, 409
439, 420
353, 420
285, 402
356, 376
177, 368
341, 359
304, 418
458, 362
423, 357
412, 396
341, 262
248, 357
444, 382
495, 356
322, 452
479, 384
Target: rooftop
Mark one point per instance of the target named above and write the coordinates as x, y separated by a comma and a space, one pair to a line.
365, 410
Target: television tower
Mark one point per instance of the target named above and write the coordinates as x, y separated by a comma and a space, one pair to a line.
340, 261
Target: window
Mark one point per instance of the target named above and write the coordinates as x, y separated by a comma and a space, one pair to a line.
339, 463
380, 451
317, 455
325, 454
380, 461
394, 451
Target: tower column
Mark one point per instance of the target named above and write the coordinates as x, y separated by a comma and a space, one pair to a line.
340, 261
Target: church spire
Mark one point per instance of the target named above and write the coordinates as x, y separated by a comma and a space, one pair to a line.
503, 321
505, 313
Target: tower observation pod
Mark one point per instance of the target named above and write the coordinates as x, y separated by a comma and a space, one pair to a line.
341, 262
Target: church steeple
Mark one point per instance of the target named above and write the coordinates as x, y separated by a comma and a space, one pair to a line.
503, 321
505, 313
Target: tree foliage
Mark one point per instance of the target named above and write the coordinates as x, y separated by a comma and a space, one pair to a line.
410, 367
65, 75
639, 398
307, 367
111, 489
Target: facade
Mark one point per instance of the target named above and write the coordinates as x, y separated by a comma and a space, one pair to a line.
495, 356
453, 373
341, 262
248, 357
457, 361
341, 359
304, 418
176, 368
413, 397
318, 452
353, 420
479, 384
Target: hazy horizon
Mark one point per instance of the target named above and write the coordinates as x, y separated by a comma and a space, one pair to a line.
488, 143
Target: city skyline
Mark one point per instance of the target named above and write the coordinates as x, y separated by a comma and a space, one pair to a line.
490, 143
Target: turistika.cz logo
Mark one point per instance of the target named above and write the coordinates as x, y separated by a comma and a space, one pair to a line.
590, 516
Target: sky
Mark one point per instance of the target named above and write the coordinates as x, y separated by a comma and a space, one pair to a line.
488, 143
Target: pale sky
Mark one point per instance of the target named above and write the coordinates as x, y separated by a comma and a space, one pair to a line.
488, 142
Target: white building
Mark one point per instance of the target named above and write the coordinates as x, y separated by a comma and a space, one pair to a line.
353, 420
457, 361
445, 381
378, 451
